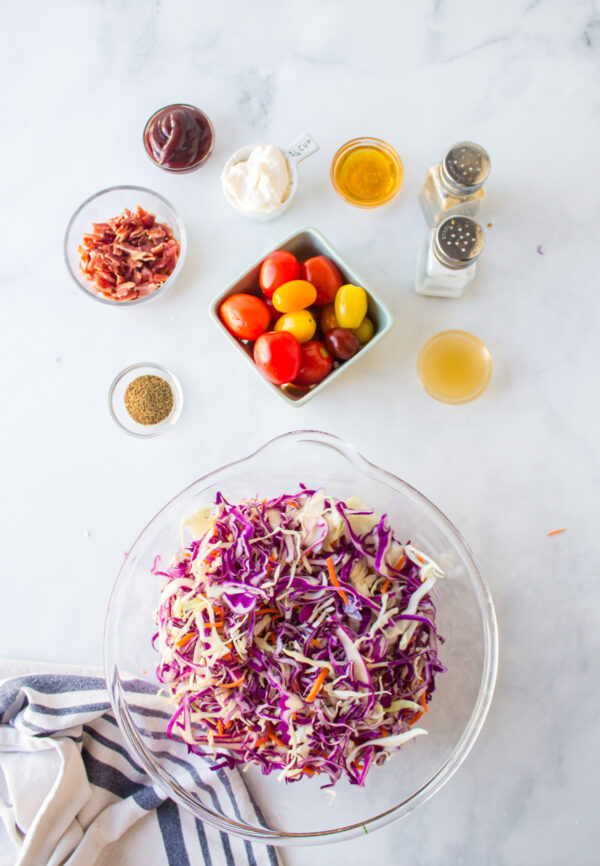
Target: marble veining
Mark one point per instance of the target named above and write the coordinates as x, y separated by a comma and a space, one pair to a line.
80, 78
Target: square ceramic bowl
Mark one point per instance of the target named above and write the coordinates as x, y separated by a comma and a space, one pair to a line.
304, 244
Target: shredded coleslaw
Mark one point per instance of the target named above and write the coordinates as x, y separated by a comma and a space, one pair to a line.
298, 634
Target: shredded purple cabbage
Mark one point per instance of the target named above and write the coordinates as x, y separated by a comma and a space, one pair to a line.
250, 617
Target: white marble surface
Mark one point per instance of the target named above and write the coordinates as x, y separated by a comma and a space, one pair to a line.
79, 80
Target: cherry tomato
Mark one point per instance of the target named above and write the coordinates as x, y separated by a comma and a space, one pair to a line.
275, 314
342, 343
293, 296
278, 268
365, 331
245, 316
316, 363
328, 319
278, 356
325, 277
301, 324
350, 306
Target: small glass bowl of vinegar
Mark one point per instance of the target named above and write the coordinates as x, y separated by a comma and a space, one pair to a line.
454, 367
366, 172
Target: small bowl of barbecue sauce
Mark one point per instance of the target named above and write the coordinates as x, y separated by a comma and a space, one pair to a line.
179, 138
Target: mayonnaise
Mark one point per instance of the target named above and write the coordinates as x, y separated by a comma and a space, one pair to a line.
260, 183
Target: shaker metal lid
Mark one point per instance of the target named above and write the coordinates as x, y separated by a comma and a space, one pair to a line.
465, 167
458, 242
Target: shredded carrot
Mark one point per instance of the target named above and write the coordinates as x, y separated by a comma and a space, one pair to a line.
218, 610
144, 672
265, 610
415, 718
308, 771
220, 727
384, 732
334, 579
262, 740
555, 532
294, 503
316, 642
218, 625
385, 586
316, 687
232, 685
423, 703
420, 558
277, 740
400, 563
185, 639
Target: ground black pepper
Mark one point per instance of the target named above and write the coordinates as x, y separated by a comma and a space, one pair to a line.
149, 399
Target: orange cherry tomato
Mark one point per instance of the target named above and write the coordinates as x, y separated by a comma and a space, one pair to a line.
245, 316
328, 319
293, 296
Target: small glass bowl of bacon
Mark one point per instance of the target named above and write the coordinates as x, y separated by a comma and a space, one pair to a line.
125, 246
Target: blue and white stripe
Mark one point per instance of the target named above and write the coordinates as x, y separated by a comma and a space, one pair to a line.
122, 799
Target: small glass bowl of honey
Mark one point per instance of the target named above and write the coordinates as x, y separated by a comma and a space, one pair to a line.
366, 172
454, 367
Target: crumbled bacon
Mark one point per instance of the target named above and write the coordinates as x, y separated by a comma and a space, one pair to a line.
129, 256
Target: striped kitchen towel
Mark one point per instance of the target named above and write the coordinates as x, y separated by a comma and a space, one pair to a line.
72, 795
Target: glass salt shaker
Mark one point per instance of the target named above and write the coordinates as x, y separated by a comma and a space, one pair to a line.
456, 184
448, 259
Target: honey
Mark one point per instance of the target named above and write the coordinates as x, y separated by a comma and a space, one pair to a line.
454, 367
367, 172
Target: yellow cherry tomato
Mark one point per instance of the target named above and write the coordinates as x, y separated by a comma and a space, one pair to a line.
350, 306
293, 296
301, 324
365, 331
328, 319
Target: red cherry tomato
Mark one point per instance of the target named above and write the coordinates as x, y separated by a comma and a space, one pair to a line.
325, 277
278, 268
245, 316
278, 356
342, 343
316, 363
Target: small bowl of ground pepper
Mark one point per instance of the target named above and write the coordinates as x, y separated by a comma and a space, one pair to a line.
145, 400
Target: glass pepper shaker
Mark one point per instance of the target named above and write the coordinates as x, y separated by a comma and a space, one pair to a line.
448, 259
456, 184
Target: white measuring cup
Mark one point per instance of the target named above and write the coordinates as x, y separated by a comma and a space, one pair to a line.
305, 145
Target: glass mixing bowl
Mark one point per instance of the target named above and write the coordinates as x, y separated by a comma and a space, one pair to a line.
301, 813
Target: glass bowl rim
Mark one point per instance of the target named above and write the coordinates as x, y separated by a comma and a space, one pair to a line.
462, 747
182, 245
380, 144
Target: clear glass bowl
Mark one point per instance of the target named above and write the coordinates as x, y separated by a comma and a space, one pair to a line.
109, 203
116, 401
300, 813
